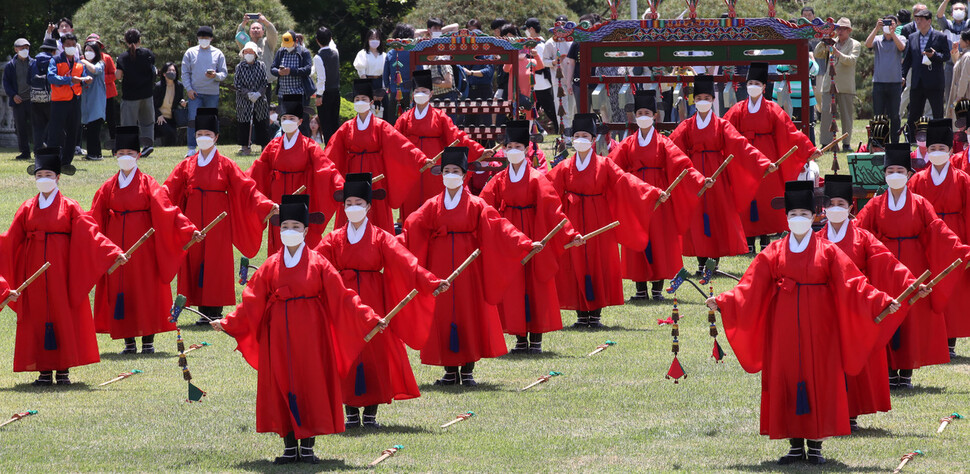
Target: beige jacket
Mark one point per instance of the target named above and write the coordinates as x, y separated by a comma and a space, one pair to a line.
844, 67
960, 88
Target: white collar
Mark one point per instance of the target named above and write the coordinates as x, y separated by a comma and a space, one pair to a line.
836, 237
287, 143
452, 202
123, 182
363, 124
891, 202
645, 140
798, 247
580, 164
292, 260
754, 107
703, 123
203, 161
418, 114
514, 176
938, 177
354, 235
46, 202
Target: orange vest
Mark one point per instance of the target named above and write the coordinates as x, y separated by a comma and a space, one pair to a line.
64, 93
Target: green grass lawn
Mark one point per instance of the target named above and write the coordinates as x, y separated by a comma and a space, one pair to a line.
612, 412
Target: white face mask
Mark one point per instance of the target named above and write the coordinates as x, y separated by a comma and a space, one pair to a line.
435, 34
754, 91
249, 57
89, 55
126, 162
836, 214
374, 43
926, 61
515, 156
204, 42
45, 185
421, 98
205, 142
938, 158
582, 144
703, 105
355, 213
273, 117
959, 15
644, 121
289, 126
23, 53
896, 181
885, 29
453, 180
361, 106
799, 225
70, 51
921, 143
288, 49
291, 238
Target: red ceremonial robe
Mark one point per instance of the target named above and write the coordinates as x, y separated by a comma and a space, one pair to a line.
772, 132
869, 390
300, 328
803, 320
378, 149
57, 303
961, 161
4, 289
951, 201
124, 215
431, 135
658, 164
589, 276
921, 241
715, 228
280, 171
531, 204
202, 193
466, 325
382, 372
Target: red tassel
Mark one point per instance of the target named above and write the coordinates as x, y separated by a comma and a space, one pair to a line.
718, 353
676, 371
661, 322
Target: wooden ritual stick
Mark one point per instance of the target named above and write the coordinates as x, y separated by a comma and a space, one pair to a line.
938, 277
545, 240
209, 227
431, 163
462, 417
594, 233
673, 185
717, 173
18, 417
407, 299
905, 294
782, 160
121, 376
23, 286
386, 454
132, 249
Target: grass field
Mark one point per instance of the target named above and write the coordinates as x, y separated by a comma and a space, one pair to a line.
612, 412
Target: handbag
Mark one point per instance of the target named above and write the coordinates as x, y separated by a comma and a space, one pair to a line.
181, 117
40, 95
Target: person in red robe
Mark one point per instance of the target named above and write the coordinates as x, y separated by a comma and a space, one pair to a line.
595, 192
947, 188
868, 391
6, 292
908, 225
382, 271
442, 233
368, 144
134, 301
654, 159
290, 161
301, 355
769, 129
203, 186
528, 200
803, 316
431, 130
960, 160
55, 329
715, 228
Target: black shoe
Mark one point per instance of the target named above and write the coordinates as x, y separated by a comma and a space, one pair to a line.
580, 324
450, 378
93, 158
795, 453
468, 380
521, 346
657, 295
846, 149
44, 380
905, 383
893, 382
353, 418
62, 379
370, 421
147, 151
953, 354
815, 453
129, 349
853, 425
700, 271
148, 349
22, 156
307, 456
594, 322
78, 151
535, 348
289, 456
639, 296
204, 322
751, 250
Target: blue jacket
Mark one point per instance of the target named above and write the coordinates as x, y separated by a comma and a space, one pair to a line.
390, 71
38, 70
927, 77
10, 78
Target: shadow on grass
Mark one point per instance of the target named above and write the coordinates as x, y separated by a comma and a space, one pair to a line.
116, 356
960, 360
326, 465
385, 429
830, 466
456, 389
28, 388
922, 390
542, 355
883, 433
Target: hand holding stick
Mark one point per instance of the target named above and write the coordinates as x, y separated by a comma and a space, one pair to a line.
938, 277
132, 249
717, 173
407, 299
207, 228
905, 294
545, 240
23, 286
462, 417
432, 161
781, 160
834, 142
468, 261
593, 234
673, 185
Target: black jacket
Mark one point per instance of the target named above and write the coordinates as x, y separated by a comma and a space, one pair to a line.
159, 96
927, 77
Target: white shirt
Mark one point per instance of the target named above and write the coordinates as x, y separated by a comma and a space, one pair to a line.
891, 202
123, 182
938, 177
292, 260
363, 124
354, 235
703, 123
202, 161
580, 164
321, 72
418, 114
645, 140
798, 247
46, 202
287, 143
514, 176
754, 105
541, 82
836, 237
452, 202
368, 64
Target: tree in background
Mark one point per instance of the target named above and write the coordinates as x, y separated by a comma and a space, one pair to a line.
460, 11
29, 19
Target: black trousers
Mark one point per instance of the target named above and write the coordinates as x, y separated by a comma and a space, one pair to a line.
21, 118
479, 92
166, 134
328, 113
40, 115
260, 132
918, 96
390, 112
92, 135
111, 113
546, 103
64, 126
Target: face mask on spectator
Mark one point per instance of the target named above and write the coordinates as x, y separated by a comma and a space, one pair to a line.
288, 49
361, 106
70, 51
273, 117
23, 53
89, 55
170, 75
289, 126
421, 98
959, 15
374, 43
205, 42
249, 57
435, 34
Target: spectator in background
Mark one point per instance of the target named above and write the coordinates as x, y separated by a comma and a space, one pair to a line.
960, 89
168, 96
479, 77
393, 74
529, 64
326, 63
442, 75
93, 99
16, 83
543, 77
808, 13
252, 107
110, 76
369, 64
952, 30
501, 77
838, 57
906, 19
315, 130
65, 77
263, 33
40, 92
887, 75
292, 66
203, 68
926, 51
136, 68
62, 27
552, 55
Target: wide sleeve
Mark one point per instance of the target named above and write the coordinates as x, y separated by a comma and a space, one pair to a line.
942, 248
402, 273
324, 181
336, 149
683, 198
349, 318
99, 204
549, 214
786, 136
745, 309
503, 246
243, 324
632, 201
745, 172
176, 185
248, 209
91, 254
416, 232
261, 170
888, 274
172, 230
402, 164
12, 252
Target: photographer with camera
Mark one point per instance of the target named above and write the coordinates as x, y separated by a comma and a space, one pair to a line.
887, 75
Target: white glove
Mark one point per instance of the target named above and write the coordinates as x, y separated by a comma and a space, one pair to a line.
253, 96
